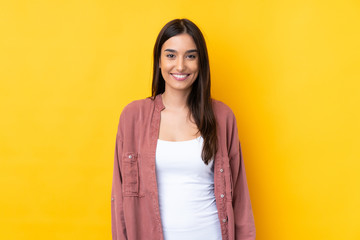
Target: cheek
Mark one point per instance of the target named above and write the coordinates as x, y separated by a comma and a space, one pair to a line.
165, 66
165, 70
195, 71
195, 67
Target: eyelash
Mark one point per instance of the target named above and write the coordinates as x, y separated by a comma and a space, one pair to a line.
172, 56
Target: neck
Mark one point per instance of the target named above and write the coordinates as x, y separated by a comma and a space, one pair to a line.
175, 100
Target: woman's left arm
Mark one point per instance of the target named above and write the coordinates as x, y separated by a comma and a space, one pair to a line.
243, 214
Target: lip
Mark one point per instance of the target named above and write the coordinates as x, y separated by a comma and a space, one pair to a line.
182, 78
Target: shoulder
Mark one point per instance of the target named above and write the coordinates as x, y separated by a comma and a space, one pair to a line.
137, 106
222, 110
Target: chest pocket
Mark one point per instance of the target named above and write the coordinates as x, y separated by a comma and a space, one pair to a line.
130, 174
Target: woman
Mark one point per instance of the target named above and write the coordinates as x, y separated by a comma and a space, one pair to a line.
178, 169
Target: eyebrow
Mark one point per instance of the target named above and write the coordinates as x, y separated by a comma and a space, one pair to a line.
188, 51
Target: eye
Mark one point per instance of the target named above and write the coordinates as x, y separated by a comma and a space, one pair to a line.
191, 56
170, 55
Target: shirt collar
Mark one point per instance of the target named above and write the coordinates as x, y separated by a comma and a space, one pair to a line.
159, 105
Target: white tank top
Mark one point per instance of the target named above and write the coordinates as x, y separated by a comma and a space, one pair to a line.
186, 191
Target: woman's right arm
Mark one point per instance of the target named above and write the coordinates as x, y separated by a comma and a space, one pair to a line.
117, 213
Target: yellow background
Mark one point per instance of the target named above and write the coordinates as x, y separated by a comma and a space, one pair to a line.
289, 70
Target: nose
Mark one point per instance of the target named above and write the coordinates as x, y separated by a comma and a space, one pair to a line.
180, 65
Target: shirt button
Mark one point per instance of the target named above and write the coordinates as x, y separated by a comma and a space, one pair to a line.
222, 195
112, 199
224, 220
130, 156
221, 170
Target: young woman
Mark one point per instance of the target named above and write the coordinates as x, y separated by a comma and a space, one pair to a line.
178, 169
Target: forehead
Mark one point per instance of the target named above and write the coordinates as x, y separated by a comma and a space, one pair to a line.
181, 42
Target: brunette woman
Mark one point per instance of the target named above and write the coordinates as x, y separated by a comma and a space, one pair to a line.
178, 170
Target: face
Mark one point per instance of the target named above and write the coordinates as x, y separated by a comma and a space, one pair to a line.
179, 62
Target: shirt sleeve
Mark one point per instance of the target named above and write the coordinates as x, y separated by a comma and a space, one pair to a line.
243, 214
117, 213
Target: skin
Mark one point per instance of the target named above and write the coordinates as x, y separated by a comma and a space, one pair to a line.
178, 56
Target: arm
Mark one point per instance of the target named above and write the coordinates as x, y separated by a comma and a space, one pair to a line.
117, 213
243, 214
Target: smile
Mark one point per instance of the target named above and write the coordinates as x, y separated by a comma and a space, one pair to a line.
179, 77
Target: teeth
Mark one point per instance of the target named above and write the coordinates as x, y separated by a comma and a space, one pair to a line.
179, 76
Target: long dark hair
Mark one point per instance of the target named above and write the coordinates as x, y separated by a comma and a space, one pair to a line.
199, 100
